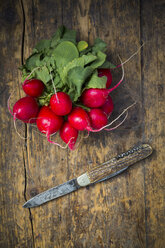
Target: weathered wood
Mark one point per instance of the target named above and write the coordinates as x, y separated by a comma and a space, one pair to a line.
127, 211
153, 57
105, 217
15, 227
46, 164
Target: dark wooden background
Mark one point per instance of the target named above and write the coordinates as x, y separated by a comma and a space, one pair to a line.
125, 212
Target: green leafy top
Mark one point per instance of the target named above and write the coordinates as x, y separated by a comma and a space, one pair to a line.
66, 65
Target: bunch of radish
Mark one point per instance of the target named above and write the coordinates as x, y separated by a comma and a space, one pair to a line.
67, 86
61, 114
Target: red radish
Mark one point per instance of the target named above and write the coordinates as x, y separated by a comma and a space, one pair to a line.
94, 97
79, 119
61, 103
98, 118
108, 106
33, 87
69, 134
26, 109
48, 122
105, 72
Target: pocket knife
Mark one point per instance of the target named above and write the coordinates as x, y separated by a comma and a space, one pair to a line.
97, 174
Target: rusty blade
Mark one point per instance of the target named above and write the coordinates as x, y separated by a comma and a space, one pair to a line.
52, 193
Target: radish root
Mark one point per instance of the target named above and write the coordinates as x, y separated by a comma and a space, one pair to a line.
125, 110
15, 127
77, 144
129, 57
113, 128
8, 105
57, 144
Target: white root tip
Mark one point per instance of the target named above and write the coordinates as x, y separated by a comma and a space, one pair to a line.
57, 144
15, 127
8, 106
113, 128
84, 137
130, 57
125, 110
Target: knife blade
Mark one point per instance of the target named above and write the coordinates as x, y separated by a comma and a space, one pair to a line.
97, 174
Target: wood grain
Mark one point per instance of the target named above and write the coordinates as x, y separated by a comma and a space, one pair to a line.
127, 211
154, 109
15, 227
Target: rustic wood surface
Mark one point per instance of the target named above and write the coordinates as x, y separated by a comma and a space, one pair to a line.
127, 211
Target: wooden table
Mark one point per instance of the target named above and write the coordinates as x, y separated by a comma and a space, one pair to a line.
127, 211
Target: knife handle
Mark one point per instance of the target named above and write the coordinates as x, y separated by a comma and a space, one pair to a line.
115, 165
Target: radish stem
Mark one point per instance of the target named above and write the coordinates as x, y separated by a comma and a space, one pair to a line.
110, 90
31, 73
55, 91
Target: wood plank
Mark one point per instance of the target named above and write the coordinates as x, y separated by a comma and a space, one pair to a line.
102, 216
15, 228
46, 164
96, 216
126, 211
153, 57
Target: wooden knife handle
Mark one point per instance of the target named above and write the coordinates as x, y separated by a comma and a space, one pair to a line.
116, 164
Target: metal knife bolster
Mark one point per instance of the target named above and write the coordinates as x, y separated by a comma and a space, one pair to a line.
115, 165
